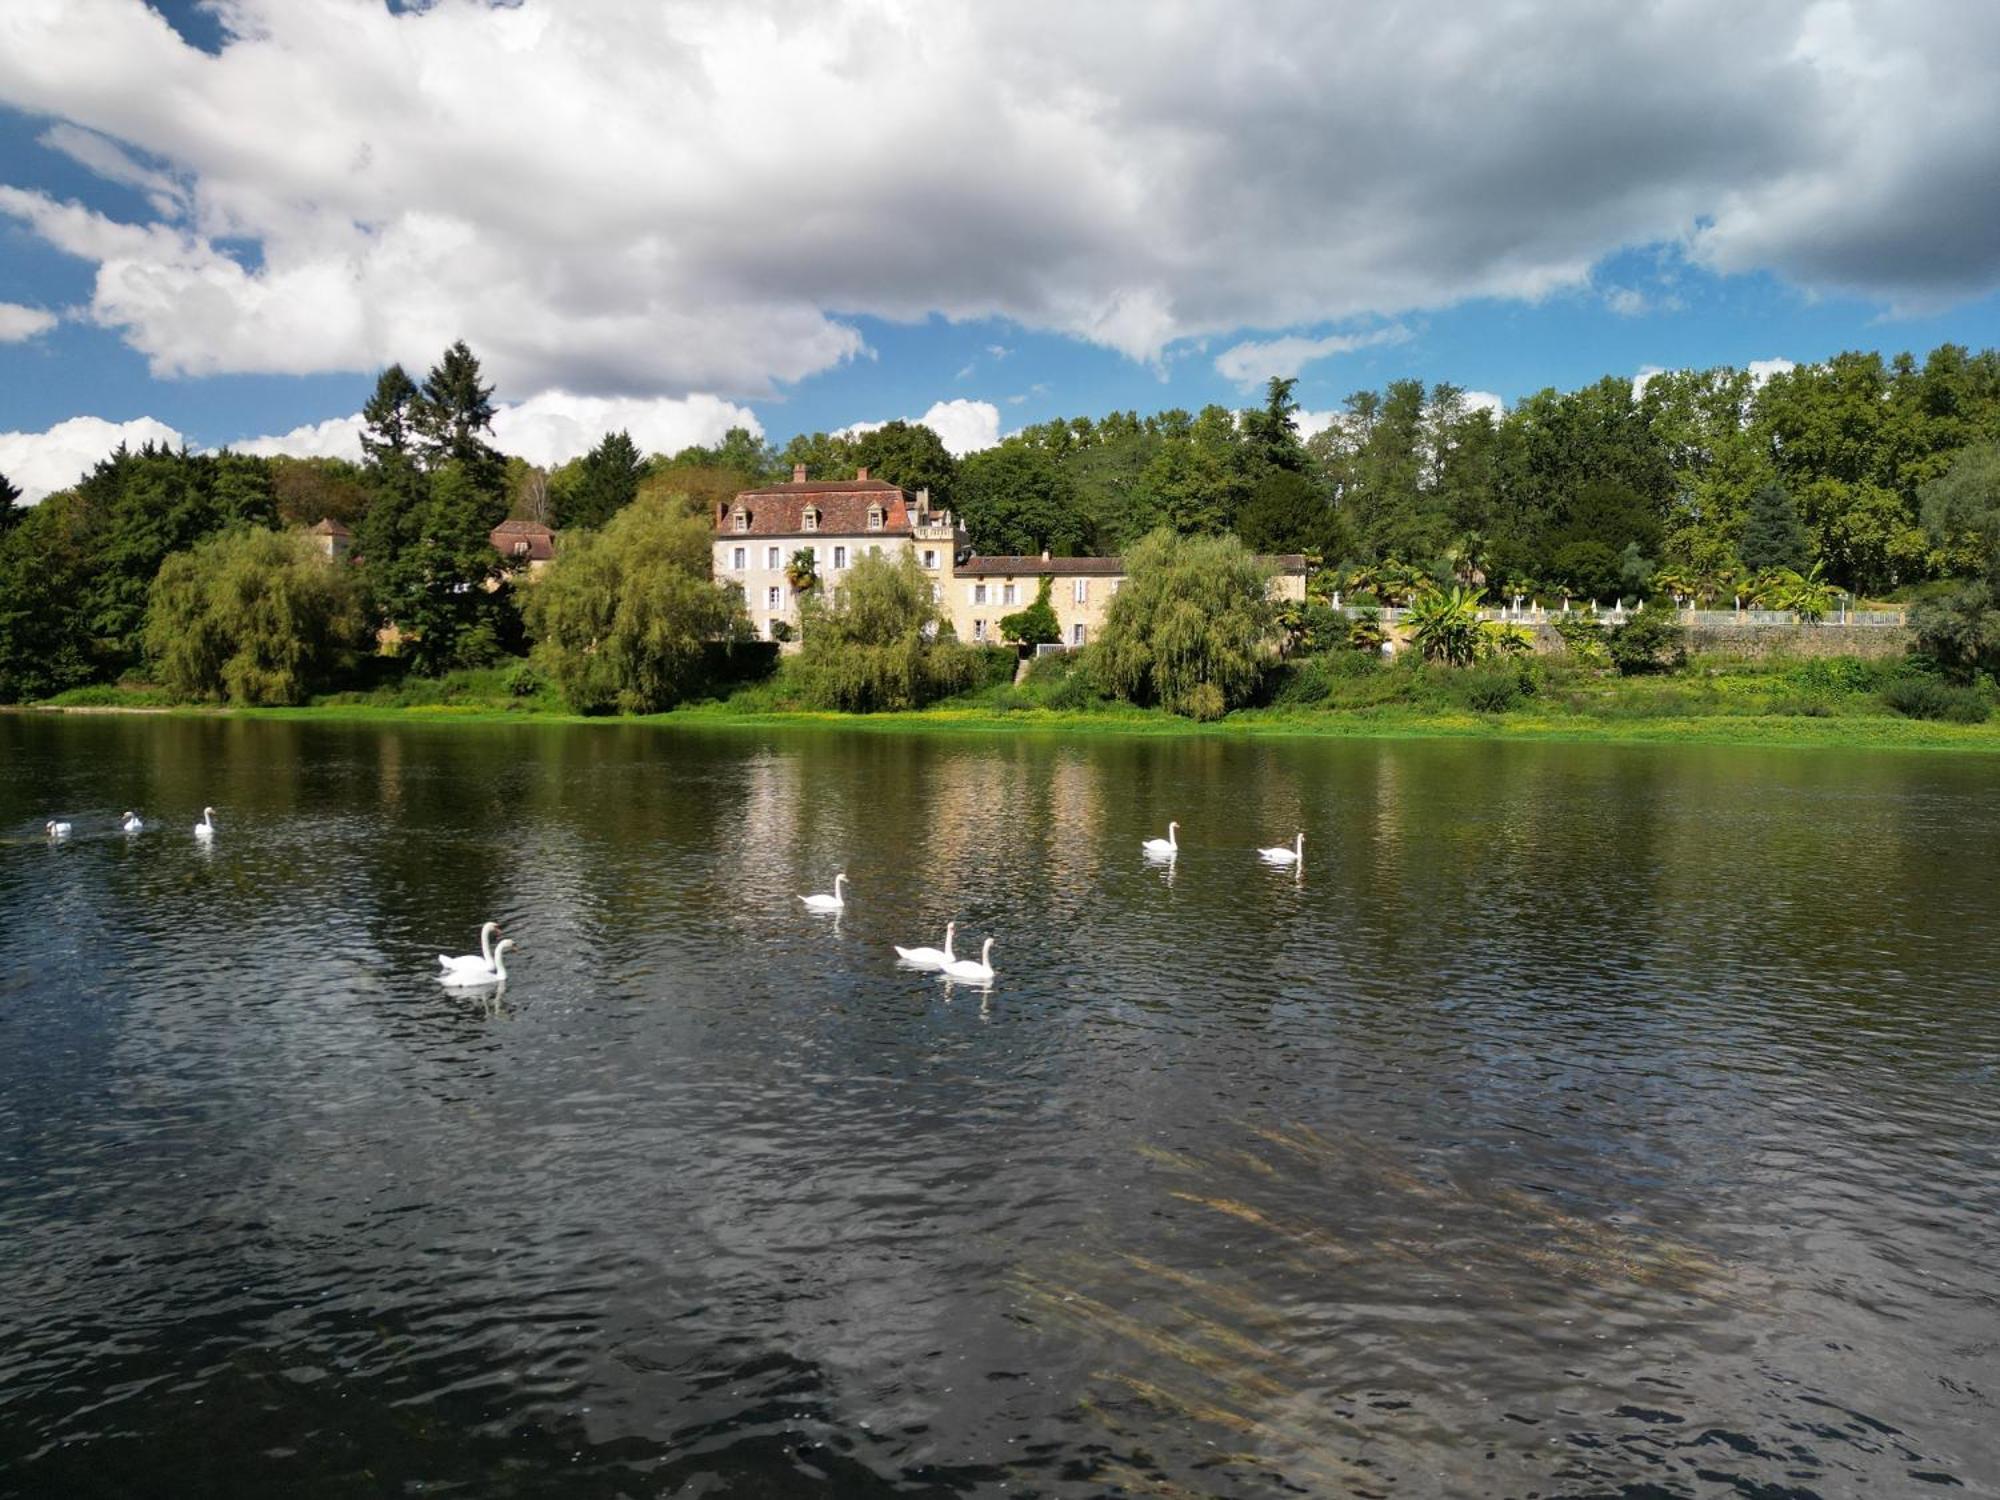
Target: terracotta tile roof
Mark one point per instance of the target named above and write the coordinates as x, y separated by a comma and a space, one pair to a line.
1086, 567
1035, 567
327, 526
527, 539
843, 505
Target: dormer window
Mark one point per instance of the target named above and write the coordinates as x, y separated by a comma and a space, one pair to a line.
874, 518
810, 520
742, 519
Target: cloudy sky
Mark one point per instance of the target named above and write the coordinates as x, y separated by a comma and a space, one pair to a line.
218, 220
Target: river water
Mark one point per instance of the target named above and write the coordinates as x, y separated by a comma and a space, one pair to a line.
1584, 1120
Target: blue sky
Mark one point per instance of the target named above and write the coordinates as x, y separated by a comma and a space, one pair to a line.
236, 214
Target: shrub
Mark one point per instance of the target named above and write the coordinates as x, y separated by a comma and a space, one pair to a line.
523, 681
1495, 689
1651, 641
1583, 638
1036, 625
1927, 698
1444, 625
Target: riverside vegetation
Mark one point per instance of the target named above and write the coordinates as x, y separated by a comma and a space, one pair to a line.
169, 578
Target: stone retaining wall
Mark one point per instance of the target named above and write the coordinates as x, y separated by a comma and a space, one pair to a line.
1872, 641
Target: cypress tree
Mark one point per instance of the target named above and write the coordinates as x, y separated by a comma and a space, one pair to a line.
1773, 536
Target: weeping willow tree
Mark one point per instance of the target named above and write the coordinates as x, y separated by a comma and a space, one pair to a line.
1191, 629
877, 644
254, 616
624, 619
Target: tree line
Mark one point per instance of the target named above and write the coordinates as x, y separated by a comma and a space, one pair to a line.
1860, 473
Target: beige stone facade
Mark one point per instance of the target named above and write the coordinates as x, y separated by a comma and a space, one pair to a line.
984, 590
838, 521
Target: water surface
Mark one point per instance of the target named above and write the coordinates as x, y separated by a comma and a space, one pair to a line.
1586, 1120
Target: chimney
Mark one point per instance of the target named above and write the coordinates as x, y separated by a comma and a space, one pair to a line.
1045, 554
798, 473
861, 475
924, 498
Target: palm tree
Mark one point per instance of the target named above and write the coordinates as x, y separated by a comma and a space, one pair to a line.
1808, 597
802, 572
1444, 624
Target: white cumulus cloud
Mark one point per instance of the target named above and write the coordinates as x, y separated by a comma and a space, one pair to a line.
19, 324
616, 197
1251, 363
962, 426
548, 429
41, 463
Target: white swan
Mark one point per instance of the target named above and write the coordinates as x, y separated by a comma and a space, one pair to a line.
828, 903
1280, 855
482, 960
1164, 848
132, 823
205, 829
481, 973
977, 970
57, 830
930, 958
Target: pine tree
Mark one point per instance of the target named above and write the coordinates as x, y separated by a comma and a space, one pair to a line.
385, 419
9, 512
450, 412
1773, 536
606, 481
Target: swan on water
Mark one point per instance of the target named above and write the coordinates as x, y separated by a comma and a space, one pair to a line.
828, 903
1164, 848
930, 958
482, 960
205, 829
57, 830
1280, 855
132, 822
977, 970
480, 972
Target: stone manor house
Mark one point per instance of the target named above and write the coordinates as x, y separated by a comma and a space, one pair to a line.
838, 520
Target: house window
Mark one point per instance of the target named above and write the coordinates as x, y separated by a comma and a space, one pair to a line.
1009, 594
742, 519
771, 628
979, 630
930, 557
810, 520
1083, 591
1076, 634
774, 597
771, 557
874, 518
741, 554
840, 557
979, 593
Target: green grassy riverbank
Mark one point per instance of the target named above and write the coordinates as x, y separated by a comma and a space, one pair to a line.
1729, 703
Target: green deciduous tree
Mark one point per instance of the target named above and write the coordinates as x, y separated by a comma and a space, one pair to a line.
1192, 629
253, 616
1017, 500
625, 618
911, 455
875, 644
